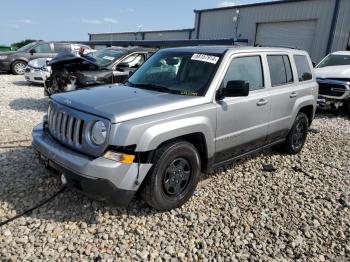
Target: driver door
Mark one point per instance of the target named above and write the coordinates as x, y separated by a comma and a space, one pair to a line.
242, 122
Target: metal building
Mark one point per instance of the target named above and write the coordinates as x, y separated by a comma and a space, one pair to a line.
318, 26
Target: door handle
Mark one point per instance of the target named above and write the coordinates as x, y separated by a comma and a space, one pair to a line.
261, 102
293, 94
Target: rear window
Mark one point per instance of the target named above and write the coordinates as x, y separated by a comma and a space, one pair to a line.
280, 69
303, 67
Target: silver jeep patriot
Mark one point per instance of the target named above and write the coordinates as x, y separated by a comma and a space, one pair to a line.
183, 112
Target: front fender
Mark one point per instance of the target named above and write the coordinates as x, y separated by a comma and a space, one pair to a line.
160, 133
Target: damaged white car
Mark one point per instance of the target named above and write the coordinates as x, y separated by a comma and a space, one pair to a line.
37, 70
333, 77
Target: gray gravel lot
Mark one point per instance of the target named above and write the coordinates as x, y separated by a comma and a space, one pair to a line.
301, 211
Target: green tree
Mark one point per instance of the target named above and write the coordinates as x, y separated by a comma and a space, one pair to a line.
22, 43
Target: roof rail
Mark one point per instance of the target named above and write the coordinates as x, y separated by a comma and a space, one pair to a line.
280, 46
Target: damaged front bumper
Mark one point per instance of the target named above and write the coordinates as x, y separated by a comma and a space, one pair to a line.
333, 93
99, 178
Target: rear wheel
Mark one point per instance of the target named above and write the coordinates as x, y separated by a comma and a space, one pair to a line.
18, 67
297, 135
174, 176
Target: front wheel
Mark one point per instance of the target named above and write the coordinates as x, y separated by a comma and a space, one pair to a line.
297, 135
18, 67
174, 176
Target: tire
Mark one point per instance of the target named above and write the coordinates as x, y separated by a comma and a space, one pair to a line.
18, 67
174, 176
296, 137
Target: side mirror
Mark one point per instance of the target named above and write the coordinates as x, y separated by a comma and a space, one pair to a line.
314, 64
236, 88
131, 73
32, 51
122, 65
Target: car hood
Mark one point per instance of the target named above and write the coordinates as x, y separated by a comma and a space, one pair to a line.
333, 72
121, 103
71, 57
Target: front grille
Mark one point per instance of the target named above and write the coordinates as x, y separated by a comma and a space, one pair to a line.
71, 127
328, 89
64, 127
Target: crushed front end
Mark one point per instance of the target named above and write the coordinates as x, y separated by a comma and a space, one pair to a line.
333, 93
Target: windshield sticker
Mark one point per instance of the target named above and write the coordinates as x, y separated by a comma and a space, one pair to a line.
111, 58
189, 93
205, 58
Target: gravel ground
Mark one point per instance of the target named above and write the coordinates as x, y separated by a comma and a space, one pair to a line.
301, 211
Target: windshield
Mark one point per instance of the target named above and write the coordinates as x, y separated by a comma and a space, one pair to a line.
183, 73
26, 47
105, 57
335, 60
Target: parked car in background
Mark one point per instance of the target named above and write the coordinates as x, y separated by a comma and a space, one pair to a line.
37, 70
182, 113
72, 70
333, 77
16, 61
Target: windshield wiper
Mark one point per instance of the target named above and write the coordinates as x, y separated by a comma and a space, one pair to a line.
155, 87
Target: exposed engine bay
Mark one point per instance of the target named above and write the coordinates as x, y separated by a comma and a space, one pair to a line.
72, 70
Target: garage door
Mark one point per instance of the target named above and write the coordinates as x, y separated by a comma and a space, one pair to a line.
299, 34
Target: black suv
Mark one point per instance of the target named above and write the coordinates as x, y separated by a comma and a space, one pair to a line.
16, 61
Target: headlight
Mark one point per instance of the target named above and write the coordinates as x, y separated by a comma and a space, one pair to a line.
2, 57
98, 133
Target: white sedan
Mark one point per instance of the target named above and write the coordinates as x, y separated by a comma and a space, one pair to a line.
37, 70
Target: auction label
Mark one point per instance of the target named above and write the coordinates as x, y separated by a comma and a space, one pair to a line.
205, 58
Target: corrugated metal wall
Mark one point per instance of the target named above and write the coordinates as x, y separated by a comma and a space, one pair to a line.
342, 29
148, 35
114, 36
219, 23
175, 35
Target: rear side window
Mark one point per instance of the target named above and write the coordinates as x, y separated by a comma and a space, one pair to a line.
58, 47
247, 69
280, 69
303, 67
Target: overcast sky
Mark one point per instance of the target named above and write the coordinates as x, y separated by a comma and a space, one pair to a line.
74, 19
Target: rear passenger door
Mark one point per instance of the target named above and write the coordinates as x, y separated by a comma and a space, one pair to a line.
282, 94
285, 87
42, 51
59, 47
242, 122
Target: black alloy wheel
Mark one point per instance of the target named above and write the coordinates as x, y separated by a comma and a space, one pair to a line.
296, 137
177, 177
174, 175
